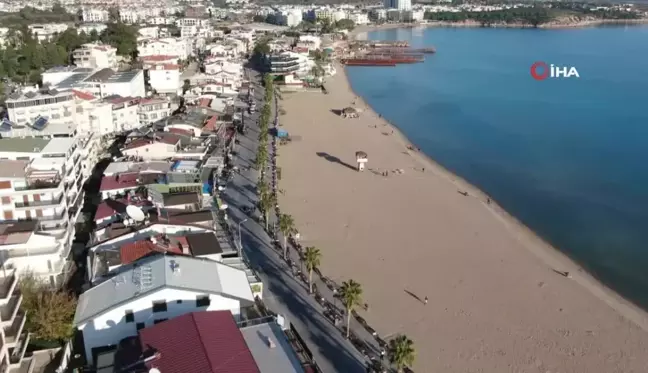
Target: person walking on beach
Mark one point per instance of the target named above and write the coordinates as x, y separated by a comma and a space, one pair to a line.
426, 300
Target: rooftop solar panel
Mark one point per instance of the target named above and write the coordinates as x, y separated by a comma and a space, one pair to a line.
40, 123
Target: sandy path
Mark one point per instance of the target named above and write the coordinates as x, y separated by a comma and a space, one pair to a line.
495, 303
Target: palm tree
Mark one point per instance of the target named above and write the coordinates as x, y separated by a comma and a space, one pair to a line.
262, 187
401, 352
266, 203
351, 295
312, 257
286, 227
261, 158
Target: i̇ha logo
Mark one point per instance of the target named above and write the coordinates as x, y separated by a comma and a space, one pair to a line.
541, 71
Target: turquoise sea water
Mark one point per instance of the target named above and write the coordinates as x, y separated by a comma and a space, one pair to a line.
569, 158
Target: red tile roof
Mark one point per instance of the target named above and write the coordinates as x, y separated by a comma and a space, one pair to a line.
119, 181
205, 342
158, 58
137, 143
169, 138
133, 251
210, 125
104, 210
120, 100
180, 131
83, 95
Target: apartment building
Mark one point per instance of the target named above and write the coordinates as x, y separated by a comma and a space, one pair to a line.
166, 47
48, 31
166, 287
13, 337
40, 182
288, 63
290, 17
95, 56
90, 27
99, 83
125, 113
95, 15
165, 79
153, 110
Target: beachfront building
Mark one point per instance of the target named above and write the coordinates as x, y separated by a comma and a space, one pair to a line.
287, 63
208, 342
156, 289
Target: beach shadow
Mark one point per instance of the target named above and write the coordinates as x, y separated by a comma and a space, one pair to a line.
336, 112
562, 273
333, 159
413, 295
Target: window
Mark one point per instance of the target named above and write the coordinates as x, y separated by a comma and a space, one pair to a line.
159, 321
159, 306
202, 301
129, 316
140, 325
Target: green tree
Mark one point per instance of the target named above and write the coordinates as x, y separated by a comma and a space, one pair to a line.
50, 312
351, 295
401, 352
261, 159
345, 24
312, 257
266, 203
262, 187
113, 15
123, 37
286, 227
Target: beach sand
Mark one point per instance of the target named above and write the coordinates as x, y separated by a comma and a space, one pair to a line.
495, 302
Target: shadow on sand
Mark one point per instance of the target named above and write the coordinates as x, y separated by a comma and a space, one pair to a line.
333, 159
336, 112
414, 296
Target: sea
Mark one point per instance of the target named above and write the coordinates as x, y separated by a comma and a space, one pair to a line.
568, 157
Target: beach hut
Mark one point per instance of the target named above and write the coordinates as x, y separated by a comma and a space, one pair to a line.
361, 159
350, 112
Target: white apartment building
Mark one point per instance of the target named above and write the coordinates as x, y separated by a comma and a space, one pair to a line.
48, 31
13, 338
359, 18
89, 27
290, 17
165, 78
166, 46
201, 22
124, 113
152, 110
288, 63
41, 184
95, 56
95, 15
402, 5
166, 287
149, 32
107, 82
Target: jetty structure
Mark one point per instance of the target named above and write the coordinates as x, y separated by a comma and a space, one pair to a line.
384, 53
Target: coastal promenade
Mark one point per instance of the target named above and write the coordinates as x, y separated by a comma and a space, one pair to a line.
284, 293
498, 297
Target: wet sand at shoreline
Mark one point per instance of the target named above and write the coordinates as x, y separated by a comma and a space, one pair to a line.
495, 302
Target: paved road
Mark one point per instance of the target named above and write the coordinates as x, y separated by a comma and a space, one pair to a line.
283, 292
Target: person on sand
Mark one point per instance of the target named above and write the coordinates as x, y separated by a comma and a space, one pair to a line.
488, 201
426, 300
423, 170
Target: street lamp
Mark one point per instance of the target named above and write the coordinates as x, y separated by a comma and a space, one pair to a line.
240, 245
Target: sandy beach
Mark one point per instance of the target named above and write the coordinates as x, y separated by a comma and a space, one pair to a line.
496, 303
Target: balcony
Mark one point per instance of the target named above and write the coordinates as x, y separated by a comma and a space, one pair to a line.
9, 311
19, 253
17, 353
8, 283
15, 329
31, 204
25, 366
47, 186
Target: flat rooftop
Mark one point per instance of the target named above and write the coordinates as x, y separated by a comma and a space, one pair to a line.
12, 169
26, 145
59, 145
281, 358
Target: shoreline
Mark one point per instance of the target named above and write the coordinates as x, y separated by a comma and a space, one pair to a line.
540, 248
499, 300
357, 33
